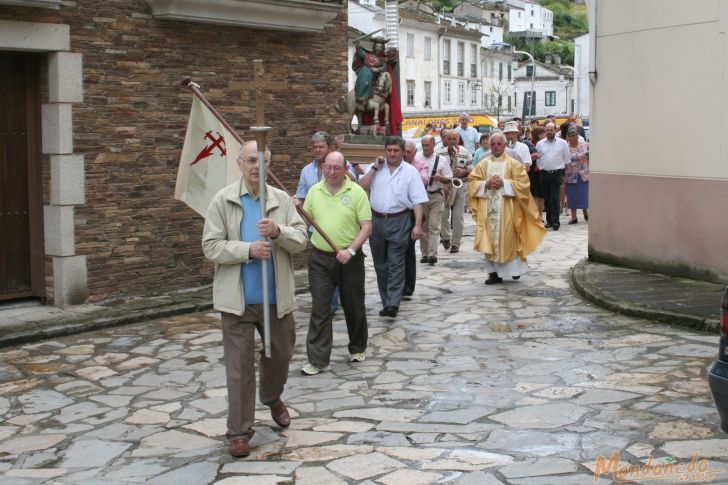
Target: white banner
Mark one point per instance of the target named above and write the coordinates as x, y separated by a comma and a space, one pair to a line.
209, 159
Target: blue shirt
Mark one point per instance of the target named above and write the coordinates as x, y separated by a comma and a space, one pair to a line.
252, 273
310, 176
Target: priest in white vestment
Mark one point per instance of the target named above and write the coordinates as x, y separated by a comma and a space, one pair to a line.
508, 224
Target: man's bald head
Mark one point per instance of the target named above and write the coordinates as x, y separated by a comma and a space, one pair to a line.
410, 150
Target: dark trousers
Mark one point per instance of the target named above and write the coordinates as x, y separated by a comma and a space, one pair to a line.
388, 242
551, 181
238, 341
410, 265
325, 274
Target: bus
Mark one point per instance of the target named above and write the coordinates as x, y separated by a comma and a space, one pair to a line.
416, 127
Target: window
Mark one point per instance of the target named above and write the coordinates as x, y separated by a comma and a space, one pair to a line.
529, 70
473, 94
428, 48
473, 60
509, 103
510, 72
448, 92
410, 93
500, 71
446, 57
411, 45
550, 98
515, 100
461, 93
531, 26
519, 15
492, 67
530, 101
428, 94
461, 59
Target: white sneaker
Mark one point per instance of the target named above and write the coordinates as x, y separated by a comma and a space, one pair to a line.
311, 370
358, 357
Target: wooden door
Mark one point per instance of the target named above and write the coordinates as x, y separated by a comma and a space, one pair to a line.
21, 197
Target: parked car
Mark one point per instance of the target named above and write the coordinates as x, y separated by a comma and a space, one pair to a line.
718, 374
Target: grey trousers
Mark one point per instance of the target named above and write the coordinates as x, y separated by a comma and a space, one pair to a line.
432, 222
457, 218
388, 243
325, 273
238, 340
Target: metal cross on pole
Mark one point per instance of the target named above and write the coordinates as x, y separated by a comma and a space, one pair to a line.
261, 131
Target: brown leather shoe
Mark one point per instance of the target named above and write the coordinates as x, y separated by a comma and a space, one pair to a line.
239, 447
280, 415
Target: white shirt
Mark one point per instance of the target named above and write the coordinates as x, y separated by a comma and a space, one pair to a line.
553, 154
396, 191
521, 153
443, 168
470, 137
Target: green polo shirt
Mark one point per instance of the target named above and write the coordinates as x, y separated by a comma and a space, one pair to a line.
337, 215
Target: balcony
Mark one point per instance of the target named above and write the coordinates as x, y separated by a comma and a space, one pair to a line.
32, 3
288, 15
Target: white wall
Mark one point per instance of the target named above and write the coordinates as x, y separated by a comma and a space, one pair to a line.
417, 68
547, 80
363, 18
581, 64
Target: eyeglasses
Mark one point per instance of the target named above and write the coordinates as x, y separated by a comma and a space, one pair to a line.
333, 168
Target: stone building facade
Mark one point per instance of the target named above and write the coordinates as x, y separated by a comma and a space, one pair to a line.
107, 124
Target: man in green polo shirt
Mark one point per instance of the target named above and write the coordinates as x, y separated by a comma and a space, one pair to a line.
341, 208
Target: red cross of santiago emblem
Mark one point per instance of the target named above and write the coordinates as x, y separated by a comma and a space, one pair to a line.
215, 143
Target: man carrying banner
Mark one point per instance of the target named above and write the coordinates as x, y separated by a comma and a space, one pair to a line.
232, 240
341, 208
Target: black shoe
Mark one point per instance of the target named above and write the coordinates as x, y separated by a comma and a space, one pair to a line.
455, 249
493, 279
446, 243
556, 227
548, 225
388, 311
424, 259
408, 292
516, 277
586, 218
432, 260
573, 221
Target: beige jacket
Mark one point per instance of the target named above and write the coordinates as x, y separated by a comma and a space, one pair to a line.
222, 245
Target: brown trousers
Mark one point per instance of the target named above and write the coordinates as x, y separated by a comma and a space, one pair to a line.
238, 340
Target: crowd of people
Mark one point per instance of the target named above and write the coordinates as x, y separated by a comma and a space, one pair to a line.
400, 198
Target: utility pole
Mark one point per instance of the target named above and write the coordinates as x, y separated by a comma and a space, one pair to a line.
391, 29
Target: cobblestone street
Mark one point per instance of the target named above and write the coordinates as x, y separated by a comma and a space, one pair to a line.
519, 383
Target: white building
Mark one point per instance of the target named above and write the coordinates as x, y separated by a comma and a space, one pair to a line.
581, 66
499, 93
553, 90
529, 19
461, 83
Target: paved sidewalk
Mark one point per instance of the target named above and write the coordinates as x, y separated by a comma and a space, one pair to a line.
658, 297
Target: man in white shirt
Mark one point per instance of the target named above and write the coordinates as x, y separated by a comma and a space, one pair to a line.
553, 155
469, 134
439, 174
519, 150
461, 163
395, 189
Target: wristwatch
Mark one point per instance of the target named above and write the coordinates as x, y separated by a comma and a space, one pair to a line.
351, 251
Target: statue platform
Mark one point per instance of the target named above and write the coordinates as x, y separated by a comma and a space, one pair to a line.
363, 148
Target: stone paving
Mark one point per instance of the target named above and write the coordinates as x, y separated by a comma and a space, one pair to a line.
521, 383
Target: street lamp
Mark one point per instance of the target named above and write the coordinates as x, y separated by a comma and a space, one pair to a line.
531, 101
575, 76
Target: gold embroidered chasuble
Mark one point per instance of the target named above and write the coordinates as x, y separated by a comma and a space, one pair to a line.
506, 227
